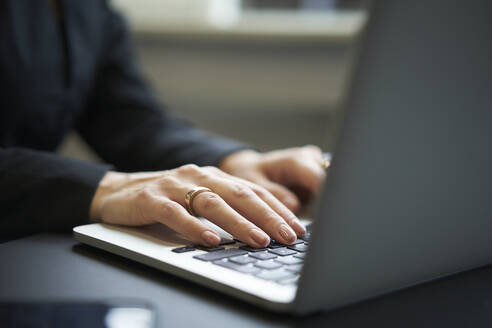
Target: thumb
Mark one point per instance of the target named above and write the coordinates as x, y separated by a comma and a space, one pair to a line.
283, 194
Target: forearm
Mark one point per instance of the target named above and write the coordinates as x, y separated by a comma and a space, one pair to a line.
41, 191
139, 138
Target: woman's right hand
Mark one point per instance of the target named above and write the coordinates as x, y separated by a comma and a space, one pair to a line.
247, 211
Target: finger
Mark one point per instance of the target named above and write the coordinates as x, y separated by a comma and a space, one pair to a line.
212, 207
268, 197
314, 159
260, 188
316, 152
286, 213
176, 217
251, 206
287, 197
306, 173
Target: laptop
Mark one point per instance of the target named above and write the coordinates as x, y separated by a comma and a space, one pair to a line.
408, 197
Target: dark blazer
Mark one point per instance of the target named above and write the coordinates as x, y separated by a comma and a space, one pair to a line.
78, 72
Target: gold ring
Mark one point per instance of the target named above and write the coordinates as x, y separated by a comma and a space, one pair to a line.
190, 195
325, 163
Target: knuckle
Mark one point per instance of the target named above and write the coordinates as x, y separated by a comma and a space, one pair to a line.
169, 209
312, 152
272, 218
211, 169
204, 174
144, 194
168, 180
312, 148
289, 218
261, 192
195, 171
241, 191
207, 200
189, 169
214, 171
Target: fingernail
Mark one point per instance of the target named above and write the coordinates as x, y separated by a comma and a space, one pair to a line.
287, 234
299, 227
210, 238
259, 237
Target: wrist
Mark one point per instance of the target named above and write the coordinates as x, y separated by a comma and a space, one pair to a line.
106, 187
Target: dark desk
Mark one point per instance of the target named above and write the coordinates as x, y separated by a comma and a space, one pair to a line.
56, 267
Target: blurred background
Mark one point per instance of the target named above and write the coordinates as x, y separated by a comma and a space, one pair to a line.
269, 72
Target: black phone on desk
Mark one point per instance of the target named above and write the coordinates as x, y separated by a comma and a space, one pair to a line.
106, 314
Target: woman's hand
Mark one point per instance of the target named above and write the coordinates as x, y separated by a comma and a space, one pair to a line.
282, 172
247, 211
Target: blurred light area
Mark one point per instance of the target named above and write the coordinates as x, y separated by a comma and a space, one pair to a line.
280, 18
224, 13
269, 72
129, 317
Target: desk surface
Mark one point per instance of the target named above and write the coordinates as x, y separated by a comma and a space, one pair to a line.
56, 267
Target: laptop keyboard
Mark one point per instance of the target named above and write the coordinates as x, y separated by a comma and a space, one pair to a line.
278, 263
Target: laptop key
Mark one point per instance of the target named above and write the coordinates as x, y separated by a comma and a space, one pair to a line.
209, 249
251, 249
306, 237
299, 247
242, 259
300, 255
268, 265
183, 249
218, 255
289, 260
263, 256
278, 274
284, 251
248, 268
274, 244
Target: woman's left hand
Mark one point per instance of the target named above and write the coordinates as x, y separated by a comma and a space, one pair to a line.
289, 174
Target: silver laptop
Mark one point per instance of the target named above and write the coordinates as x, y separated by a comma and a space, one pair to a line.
408, 198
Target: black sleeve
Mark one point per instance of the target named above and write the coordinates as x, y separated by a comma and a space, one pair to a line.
41, 191
128, 128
